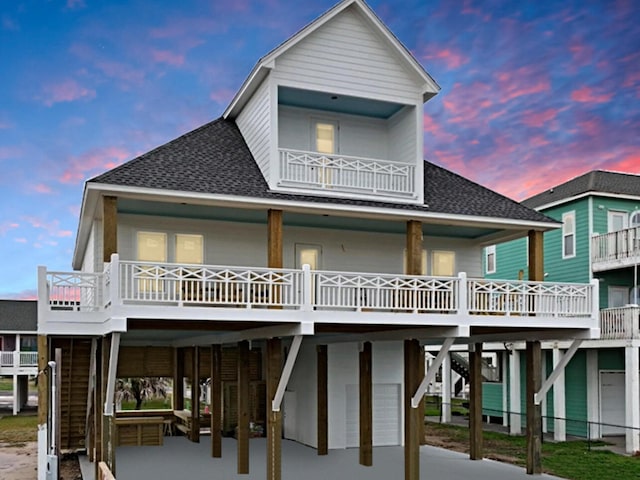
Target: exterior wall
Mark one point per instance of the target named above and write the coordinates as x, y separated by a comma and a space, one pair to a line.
358, 136
345, 56
576, 394
492, 399
254, 124
402, 144
511, 257
601, 207
614, 278
245, 244
611, 359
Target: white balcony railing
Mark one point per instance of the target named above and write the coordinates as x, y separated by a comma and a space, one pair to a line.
345, 173
622, 323
618, 247
143, 283
18, 359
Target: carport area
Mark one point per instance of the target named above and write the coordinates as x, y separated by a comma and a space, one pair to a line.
179, 458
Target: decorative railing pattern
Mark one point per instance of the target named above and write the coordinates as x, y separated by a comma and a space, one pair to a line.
18, 359
75, 291
346, 173
337, 290
209, 285
622, 323
529, 298
616, 246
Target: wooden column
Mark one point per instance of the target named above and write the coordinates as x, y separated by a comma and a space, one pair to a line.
98, 407
274, 238
475, 403
366, 406
43, 380
194, 436
105, 431
411, 417
323, 400
109, 227
178, 379
414, 247
533, 366
216, 401
534, 412
274, 420
243, 407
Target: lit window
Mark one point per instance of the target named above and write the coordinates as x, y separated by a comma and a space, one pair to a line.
569, 235
325, 138
490, 259
443, 263
189, 249
152, 247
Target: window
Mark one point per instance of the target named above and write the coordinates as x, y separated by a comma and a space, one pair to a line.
569, 235
616, 221
634, 219
325, 137
423, 264
152, 247
189, 249
490, 259
443, 263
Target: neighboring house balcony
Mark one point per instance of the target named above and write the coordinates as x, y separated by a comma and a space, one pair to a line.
621, 323
615, 249
76, 302
15, 362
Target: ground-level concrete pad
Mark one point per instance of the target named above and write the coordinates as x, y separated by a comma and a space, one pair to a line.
183, 460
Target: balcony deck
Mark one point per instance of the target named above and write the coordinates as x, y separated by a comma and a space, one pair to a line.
15, 362
128, 289
621, 323
615, 249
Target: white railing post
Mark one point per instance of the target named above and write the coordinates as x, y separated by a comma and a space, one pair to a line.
43, 291
463, 294
634, 313
307, 296
595, 301
114, 285
16, 362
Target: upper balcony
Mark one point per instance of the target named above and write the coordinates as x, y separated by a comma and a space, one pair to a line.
89, 301
615, 249
622, 323
16, 362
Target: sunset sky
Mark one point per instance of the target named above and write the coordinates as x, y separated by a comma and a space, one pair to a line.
533, 93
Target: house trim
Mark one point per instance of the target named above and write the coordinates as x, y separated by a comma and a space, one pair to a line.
562, 201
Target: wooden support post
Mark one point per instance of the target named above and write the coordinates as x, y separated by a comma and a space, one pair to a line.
414, 247
411, 430
274, 421
105, 429
536, 258
194, 435
43, 380
534, 412
323, 400
475, 403
216, 401
99, 407
243, 407
366, 406
109, 227
274, 238
178, 379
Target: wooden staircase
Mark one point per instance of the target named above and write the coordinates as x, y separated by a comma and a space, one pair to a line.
74, 385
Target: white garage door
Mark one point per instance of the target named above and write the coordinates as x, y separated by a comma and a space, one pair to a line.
386, 415
612, 402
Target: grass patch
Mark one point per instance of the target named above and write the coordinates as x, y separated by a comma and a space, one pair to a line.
152, 404
433, 406
572, 460
19, 429
6, 384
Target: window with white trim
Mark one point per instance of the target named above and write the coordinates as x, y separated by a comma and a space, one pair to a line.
616, 221
443, 263
569, 234
634, 219
490, 259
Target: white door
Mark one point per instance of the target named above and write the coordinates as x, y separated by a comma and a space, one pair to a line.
616, 221
618, 296
386, 415
289, 414
612, 402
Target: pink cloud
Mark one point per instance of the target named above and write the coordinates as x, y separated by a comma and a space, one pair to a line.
520, 82
7, 153
120, 71
23, 295
6, 226
51, 227
42, 188
588, 95
582, 54
466, 103
182, 27
435, 129
222, 95
66, 91
630, 163
165, 56
451, 58
540, 118
93, 161
20, 240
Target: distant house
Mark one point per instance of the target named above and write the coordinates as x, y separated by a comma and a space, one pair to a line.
18, 348
599, 239
298, 252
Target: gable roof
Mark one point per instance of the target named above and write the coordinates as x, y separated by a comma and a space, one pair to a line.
595, 181
18, 316
214, 159
262, 67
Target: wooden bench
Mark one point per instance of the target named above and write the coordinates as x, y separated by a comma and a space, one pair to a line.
139, 431
183, 421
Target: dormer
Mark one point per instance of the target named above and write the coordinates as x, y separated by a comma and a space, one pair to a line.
337, 110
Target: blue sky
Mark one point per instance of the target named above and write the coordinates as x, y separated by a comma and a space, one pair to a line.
533, 93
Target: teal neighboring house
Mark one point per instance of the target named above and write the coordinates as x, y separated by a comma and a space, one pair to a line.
599, 393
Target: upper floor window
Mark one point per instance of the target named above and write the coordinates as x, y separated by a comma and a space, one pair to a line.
443, 263
152, 247
616, 220
326, 137
189, 248
634, 220
490, 259
569, 235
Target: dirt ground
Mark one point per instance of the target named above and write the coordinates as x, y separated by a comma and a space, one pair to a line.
21, 463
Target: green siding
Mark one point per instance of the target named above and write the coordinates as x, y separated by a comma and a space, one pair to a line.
511, 257
492, 399
614, 278
548, 356
601, 207
575, 381
611, 359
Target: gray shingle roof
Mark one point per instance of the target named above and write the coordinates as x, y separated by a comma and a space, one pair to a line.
18, 315
215, 159
594, 181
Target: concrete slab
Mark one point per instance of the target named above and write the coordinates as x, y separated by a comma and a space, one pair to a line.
180, 459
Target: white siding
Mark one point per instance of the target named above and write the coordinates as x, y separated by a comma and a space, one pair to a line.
92, 260
358, 136
254, 124
402, 137
346, 56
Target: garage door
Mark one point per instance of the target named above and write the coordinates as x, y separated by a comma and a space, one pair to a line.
612, 402
386, 415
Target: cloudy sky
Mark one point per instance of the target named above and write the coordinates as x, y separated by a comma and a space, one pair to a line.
533, 93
